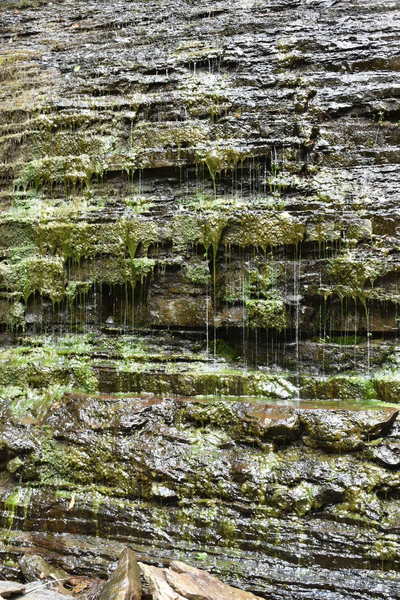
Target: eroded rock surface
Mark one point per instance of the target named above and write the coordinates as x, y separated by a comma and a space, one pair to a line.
231, 163
288, 503
228, 170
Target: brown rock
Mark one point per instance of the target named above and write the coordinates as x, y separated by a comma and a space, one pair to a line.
195, 584
124, 583
157, 585
183, 582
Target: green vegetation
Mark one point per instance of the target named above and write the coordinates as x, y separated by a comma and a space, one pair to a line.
68, 170
264, 305
349, 270
269, 313
44, 275
221, 159
83, 240
198, 273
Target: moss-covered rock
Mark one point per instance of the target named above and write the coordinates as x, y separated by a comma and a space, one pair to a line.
341, 387
44, 275
265, 230
270, 313
67, 170
387, 388
84, 240
347, 270
198, 273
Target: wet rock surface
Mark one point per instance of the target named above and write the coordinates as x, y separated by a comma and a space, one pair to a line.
231, 164
124, 584
224, 177
293, 503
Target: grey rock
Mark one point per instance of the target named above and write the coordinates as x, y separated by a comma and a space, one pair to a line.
34, 567
11, 589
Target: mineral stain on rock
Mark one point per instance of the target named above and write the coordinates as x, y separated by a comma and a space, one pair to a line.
199, 299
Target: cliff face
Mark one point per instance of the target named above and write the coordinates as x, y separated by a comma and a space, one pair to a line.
224, 178
287, 503
232, 162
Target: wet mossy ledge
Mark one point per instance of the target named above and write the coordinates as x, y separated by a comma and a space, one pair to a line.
227, 254
41, 368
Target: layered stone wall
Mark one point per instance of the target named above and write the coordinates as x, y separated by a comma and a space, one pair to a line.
201, 199
231, 163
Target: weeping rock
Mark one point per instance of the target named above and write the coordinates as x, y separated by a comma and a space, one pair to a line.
235, 167
199, 293
124, 584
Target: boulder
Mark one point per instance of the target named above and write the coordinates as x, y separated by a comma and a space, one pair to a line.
183, 582
35, 567
124, 583
387, 454
156, 585
339, 430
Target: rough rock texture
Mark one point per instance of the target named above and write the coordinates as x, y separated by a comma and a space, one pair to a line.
182, 582
35, 567
282, 502
124, 584
133, 581
226, 163
228, 171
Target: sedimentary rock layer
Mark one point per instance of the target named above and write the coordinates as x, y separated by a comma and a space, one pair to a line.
286, 503
229, 170
232, 163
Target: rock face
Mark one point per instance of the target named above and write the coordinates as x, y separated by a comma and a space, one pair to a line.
201, 199
230, 164
281, 502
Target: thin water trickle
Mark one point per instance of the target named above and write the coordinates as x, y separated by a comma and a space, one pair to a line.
244, 321
369, 334
207, 326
